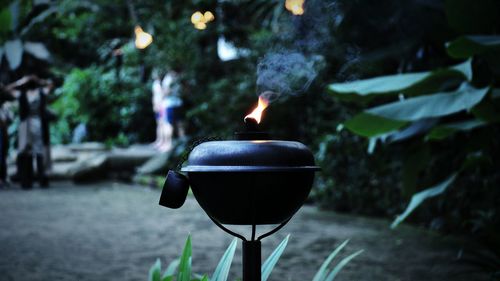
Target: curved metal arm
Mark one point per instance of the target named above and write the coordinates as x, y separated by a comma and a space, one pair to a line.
253, 230
274, 230
228, 230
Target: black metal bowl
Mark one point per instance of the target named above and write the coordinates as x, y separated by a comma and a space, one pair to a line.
251, 182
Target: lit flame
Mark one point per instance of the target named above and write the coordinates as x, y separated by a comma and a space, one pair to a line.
200, 20
295, 6
257, 112
142, 39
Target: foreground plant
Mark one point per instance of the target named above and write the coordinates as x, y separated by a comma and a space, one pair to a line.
180, 269
428, 116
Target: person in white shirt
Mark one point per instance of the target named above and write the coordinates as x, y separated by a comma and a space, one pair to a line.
158, 93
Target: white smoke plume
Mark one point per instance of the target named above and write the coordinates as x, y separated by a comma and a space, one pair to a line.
290, 68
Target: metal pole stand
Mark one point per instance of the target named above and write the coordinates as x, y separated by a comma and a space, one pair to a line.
251, 260
251, 250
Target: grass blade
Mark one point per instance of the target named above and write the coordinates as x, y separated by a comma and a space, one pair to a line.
271, 261
184, 273
155, 271
222, 270
341, 265
322, 271
421, 196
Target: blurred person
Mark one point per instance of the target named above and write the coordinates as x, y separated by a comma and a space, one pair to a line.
46, 116
166, 128
79, 133
174, 103
162, 141
31, 92
6, 118
156, 97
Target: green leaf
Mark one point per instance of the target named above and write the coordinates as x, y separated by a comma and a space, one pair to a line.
407, 83
14, 53
197, 276
445, 130
36, 49
184, 273
38, 19
222, 270
200, 278
436, 105
271, 261
468, 46
322, 271
341, 265
167, 278
155, 271
421, 196
171, 268
369, 125
464, 68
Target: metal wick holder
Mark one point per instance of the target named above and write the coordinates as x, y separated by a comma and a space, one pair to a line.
248, 181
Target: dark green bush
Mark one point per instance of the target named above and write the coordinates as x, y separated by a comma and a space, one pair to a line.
113, 109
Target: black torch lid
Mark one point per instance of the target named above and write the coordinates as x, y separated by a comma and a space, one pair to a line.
250, 156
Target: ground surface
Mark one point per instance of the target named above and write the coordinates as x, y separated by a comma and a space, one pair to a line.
112, 231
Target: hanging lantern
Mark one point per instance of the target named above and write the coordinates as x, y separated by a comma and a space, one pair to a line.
142, 38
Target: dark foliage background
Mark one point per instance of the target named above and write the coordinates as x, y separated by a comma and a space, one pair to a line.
354, 39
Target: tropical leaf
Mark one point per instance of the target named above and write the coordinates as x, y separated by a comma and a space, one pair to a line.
421, 196
436, 105
408, 83
184, 273
271, 261
443, 131
222, 270
416, 128
36, 49
468, 46
322, 272
14, 53
38, 19
341, 265
155, 271
369, 125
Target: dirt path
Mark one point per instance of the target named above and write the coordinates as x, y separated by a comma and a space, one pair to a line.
114, 231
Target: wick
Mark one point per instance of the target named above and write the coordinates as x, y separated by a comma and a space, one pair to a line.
251, 124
